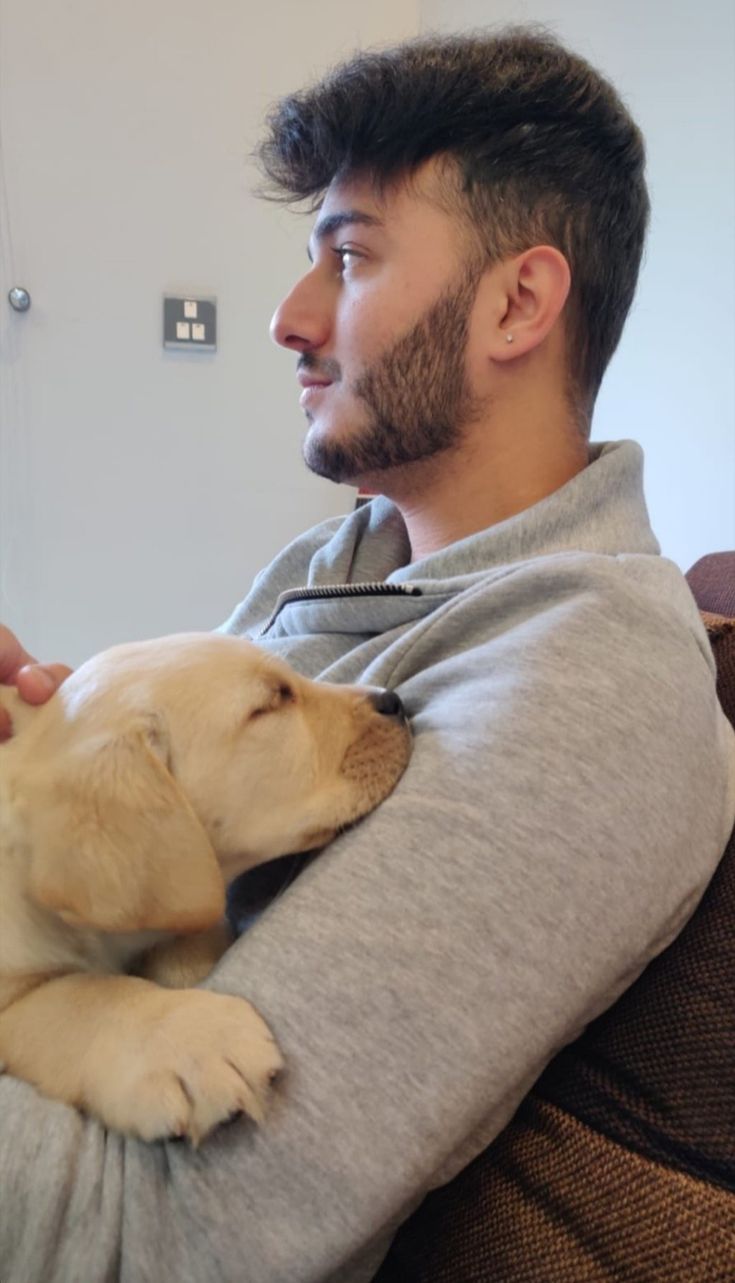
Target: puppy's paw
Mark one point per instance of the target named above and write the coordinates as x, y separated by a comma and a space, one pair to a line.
207, 1058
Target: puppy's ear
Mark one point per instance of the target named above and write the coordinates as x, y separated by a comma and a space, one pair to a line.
116, 846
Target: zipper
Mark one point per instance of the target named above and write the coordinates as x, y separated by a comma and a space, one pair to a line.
335, 591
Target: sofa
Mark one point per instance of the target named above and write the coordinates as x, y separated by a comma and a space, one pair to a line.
619, 1166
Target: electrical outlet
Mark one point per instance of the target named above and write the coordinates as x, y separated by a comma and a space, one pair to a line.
190, 323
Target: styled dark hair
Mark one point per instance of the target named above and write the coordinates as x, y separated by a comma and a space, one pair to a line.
541, 148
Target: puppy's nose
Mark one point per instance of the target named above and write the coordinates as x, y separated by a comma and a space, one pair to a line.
387, 703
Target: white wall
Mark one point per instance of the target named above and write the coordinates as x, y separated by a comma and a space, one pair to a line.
671, 384
140, 490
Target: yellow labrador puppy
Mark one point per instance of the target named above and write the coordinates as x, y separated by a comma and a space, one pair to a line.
159, 772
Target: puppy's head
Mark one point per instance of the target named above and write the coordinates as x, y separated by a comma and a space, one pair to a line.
163, 769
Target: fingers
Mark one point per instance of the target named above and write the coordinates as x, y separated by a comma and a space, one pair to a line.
6, 726
37, 682
12, 655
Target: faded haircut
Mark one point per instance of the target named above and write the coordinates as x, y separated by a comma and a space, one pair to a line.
540, 150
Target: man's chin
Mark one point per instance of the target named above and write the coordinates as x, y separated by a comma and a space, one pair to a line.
330, 459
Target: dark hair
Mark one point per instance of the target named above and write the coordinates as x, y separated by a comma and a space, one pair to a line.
544, 151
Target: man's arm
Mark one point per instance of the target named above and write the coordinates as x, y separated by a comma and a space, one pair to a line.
564, 808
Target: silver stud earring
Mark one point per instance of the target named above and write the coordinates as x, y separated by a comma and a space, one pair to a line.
509, 338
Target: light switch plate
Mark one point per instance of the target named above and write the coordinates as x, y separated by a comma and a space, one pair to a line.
190, 323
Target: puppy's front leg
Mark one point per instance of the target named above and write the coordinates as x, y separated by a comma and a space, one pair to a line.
148, 1061
184, 961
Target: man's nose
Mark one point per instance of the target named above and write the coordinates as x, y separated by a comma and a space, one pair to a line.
301, 323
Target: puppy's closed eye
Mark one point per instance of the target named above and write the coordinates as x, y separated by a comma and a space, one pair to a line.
280, 696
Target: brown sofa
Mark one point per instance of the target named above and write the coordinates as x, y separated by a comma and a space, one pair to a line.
619, 1167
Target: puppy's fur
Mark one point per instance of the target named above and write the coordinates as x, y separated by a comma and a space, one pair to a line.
159, 772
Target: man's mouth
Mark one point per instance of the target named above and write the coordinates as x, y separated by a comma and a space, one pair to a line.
314, 384
312, 393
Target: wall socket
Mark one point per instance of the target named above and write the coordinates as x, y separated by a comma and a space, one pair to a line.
190, 323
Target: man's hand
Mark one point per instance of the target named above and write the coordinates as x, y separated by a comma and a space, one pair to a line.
35, 682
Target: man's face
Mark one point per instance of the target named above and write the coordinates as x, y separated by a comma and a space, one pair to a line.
381, 322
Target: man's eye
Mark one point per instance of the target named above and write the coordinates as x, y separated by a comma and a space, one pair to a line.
347, 256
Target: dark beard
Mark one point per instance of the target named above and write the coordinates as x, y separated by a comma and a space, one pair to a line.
417, 395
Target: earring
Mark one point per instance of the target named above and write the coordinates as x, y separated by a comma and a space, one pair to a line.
509, 338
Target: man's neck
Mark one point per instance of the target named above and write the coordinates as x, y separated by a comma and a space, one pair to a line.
459, 493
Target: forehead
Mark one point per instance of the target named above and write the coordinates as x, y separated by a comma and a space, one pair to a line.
359, 191
411, 205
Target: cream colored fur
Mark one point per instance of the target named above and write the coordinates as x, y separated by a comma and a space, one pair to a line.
159, 772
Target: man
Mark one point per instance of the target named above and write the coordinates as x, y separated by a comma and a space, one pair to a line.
481, 215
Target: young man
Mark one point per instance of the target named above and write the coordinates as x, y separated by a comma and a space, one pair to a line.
481, 215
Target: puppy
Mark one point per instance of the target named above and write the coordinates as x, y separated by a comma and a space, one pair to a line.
158, 773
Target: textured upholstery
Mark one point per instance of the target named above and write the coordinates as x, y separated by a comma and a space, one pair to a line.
712, 580
620, 1164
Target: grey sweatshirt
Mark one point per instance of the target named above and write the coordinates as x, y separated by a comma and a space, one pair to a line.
570, 792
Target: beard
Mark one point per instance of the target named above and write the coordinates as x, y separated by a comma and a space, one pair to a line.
416, 394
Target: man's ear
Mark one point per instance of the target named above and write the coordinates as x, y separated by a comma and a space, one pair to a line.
530, 291
116, 846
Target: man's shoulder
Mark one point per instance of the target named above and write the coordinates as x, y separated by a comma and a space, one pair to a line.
619, 620
646, 594
610, 586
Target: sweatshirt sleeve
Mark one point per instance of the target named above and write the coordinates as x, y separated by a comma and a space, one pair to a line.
565, 806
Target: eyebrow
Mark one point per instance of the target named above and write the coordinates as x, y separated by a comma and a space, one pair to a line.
332, 223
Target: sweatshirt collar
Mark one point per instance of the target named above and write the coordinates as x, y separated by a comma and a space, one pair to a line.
600, 510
